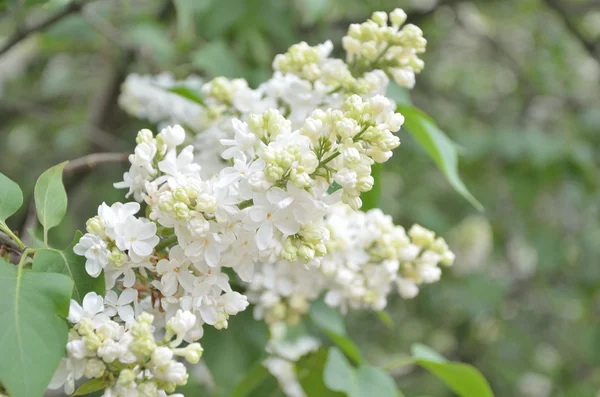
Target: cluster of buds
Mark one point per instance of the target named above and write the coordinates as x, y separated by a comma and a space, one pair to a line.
348, 141
394, 49
126, 358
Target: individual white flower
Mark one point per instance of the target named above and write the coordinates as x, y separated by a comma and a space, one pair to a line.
137, 236
92, 307
181, 323
121, 305
172, 136
115, 214
243, 142
174, 272
182, 164
95, 251
233, 302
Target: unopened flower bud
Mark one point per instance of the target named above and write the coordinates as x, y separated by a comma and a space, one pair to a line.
94, 368
95, 225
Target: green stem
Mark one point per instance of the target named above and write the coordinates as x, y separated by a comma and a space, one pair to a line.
13, 236
246, 204
166, 242
360, 134
398, 363
381, 55
328, 159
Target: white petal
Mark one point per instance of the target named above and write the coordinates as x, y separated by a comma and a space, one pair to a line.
264, 237
127, 296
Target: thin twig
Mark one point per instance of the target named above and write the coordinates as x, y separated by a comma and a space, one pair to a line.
588, 45
8, 245
92, 160
81, 165
22, 33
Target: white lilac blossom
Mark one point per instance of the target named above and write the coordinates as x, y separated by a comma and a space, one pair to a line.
127, 358
257, 188
368, 258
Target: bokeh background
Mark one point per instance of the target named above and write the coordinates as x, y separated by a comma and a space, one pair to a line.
516, 83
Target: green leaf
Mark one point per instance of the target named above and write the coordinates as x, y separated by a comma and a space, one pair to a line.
331, 322
423, 352
347, 345
338, 374
188, 93
370, 199
217, 59
400, 95
50, 198
375, 382
90, 386
463, 379
310, 374
234, 350
33, 333
253, 378
11, 197
366, 381
385, 318
327, 318
72, 265
439, 147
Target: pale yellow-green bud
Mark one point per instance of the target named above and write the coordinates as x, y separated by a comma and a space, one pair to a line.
397, 17
193, 352
180, 194
221, 320
92, 342
289, 251
148, 389
274, 172
94, 368
380, 18
95, 225
306, 253
85, 326
126, 377
313, 233
143, 346
144, 136
117, 258
320, 249
182, 211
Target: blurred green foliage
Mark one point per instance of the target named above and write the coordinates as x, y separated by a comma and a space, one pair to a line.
516, 83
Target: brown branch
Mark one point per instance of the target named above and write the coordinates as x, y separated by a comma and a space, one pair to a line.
22, 33
563, 13
7, 245
77, 168
104, 104
88, 162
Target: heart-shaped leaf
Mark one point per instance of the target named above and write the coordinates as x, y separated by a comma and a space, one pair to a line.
33, 335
